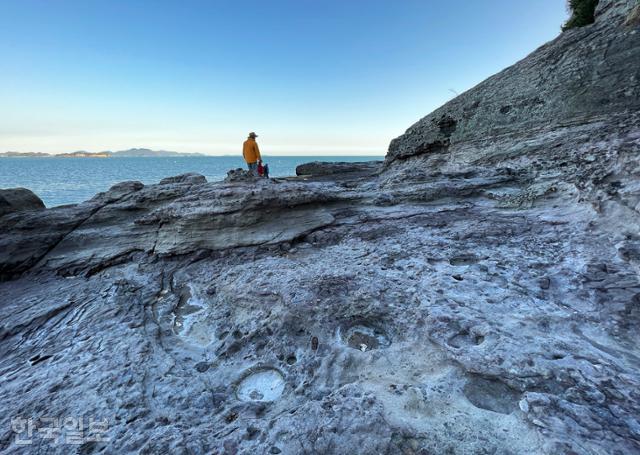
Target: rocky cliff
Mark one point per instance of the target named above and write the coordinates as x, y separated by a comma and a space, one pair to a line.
478, 292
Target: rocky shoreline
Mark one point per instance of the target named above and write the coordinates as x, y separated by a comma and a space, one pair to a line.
478, 292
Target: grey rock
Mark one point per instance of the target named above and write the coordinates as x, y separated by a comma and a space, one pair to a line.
550, 90
166, 219
159, 307
17, 200
29, 236
633, 19
321, 168
190, 178
240, 175
118, 191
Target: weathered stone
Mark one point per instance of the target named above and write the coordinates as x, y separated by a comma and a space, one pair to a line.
322, 168
478, 295
191, 178
549, 91
240, 175
633, 19
18, 200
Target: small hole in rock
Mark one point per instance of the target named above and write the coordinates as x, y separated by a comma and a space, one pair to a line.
366, 338
201, 367
37, 359
252, 433
466, 259
291, 359
457, 277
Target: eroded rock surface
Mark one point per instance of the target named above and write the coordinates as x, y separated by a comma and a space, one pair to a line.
321, 168
18, 200
480, 294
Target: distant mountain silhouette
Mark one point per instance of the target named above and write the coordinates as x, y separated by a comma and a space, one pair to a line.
22, 154
83, 154
135, 152
139, 152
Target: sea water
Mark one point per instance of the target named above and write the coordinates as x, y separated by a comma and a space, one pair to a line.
59, 181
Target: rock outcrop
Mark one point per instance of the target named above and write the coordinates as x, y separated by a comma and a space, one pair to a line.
241, 175
321, 168
18, 200
585, 79
477, 293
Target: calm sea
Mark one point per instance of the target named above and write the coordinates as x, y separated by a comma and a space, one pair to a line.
61, 181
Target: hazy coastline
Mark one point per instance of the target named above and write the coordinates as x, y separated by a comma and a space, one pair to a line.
130, 153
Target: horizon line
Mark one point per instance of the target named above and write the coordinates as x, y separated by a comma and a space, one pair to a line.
345, 152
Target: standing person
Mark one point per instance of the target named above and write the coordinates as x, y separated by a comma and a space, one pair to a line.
251, 153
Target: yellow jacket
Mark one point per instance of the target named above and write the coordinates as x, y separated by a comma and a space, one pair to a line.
250, 151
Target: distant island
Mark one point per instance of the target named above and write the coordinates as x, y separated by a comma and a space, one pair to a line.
135, 152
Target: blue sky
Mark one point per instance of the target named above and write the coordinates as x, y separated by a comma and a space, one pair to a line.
310, 77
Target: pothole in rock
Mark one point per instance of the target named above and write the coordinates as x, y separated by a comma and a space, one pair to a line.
261, 385
491, 394
464, 259
365, 338
291, 359
464, 338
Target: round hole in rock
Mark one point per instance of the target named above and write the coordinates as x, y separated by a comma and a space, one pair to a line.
291, 359
261, 385
465, 259
366, 338
202, 367
491, 394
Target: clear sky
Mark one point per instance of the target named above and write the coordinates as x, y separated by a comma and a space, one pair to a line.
309, 76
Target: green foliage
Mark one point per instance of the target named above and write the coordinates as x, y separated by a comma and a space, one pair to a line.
582, 13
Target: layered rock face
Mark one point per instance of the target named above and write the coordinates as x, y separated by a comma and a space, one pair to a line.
477, 293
